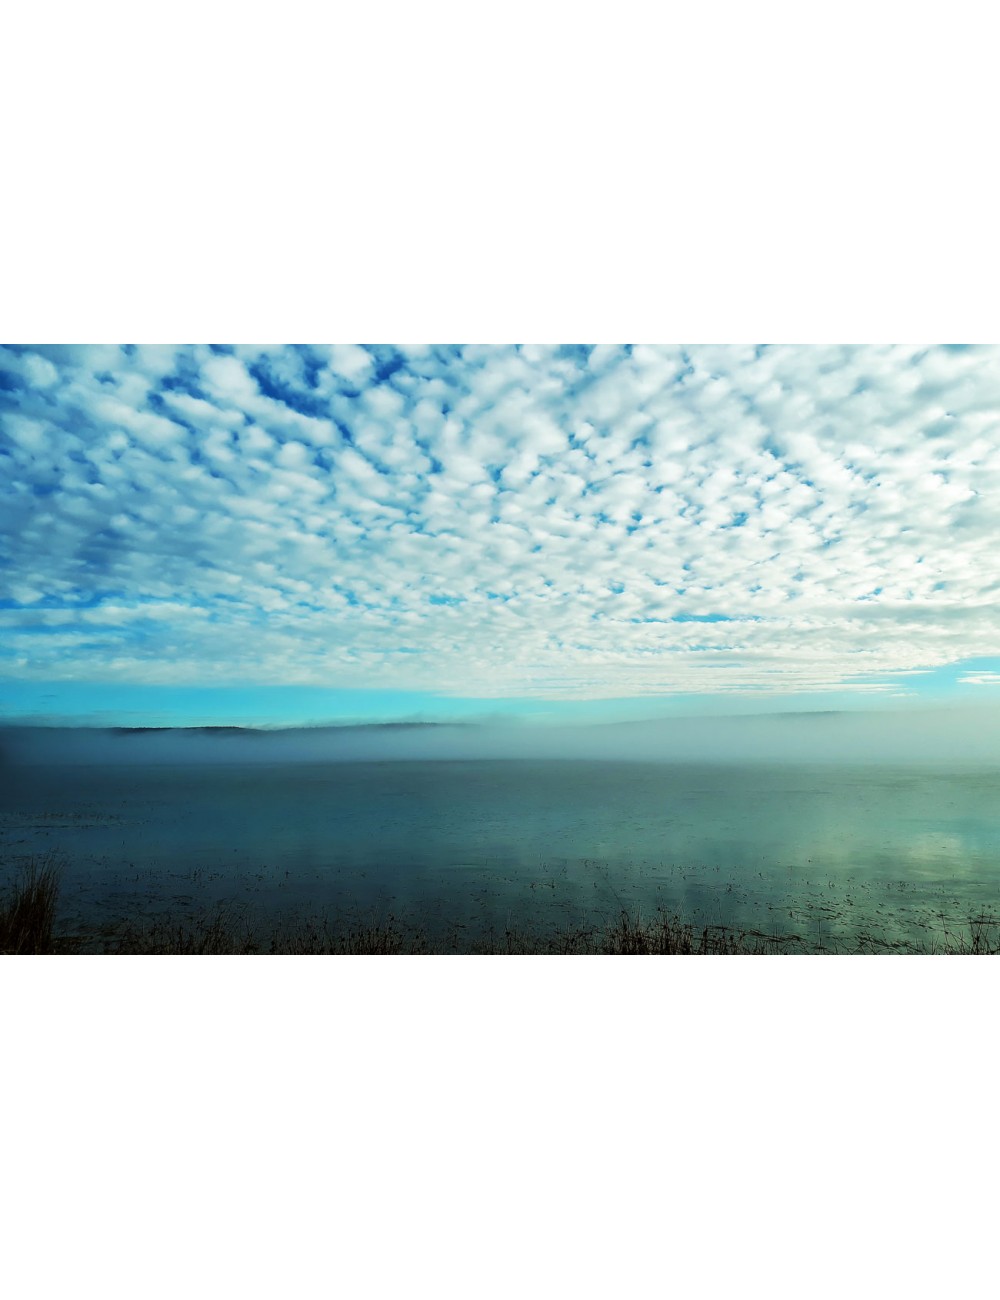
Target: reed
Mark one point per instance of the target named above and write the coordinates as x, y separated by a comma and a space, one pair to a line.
28, 912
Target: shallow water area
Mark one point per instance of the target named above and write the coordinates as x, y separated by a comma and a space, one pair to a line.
836, 858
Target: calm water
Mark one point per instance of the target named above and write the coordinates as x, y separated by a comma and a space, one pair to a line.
826, 853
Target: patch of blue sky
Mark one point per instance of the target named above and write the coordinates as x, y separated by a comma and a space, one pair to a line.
296, 398
125, 704
966, 679
388, 363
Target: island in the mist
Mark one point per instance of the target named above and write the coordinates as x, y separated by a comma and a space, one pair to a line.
933, 737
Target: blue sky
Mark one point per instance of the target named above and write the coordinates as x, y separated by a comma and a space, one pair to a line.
304, 534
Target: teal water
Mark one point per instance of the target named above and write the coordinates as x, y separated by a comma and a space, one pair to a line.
828, 853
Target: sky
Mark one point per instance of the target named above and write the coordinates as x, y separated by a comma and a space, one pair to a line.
302, 534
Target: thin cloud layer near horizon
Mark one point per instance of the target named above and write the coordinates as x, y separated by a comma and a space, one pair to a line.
492, 523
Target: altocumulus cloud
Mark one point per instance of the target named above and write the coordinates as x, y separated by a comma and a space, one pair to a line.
537, 521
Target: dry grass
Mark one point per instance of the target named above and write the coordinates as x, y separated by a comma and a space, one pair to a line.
27, 914
379, 938
669, 936
225, 933
231, 932
228, 932
983, 939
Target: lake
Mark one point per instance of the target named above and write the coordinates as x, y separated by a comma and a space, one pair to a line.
466, 848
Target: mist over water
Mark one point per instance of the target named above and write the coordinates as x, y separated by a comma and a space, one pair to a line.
928, 737
829, 826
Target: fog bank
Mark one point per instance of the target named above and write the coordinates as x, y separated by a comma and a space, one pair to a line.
931, 737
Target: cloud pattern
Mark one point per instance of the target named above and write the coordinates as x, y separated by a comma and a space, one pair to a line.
493, 521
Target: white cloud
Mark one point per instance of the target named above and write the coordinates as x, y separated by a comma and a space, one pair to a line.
350, 361
492, 521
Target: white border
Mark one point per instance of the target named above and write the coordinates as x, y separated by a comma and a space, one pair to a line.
453, 1126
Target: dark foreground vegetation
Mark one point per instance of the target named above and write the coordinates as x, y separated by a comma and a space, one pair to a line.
28, 913
28, 926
